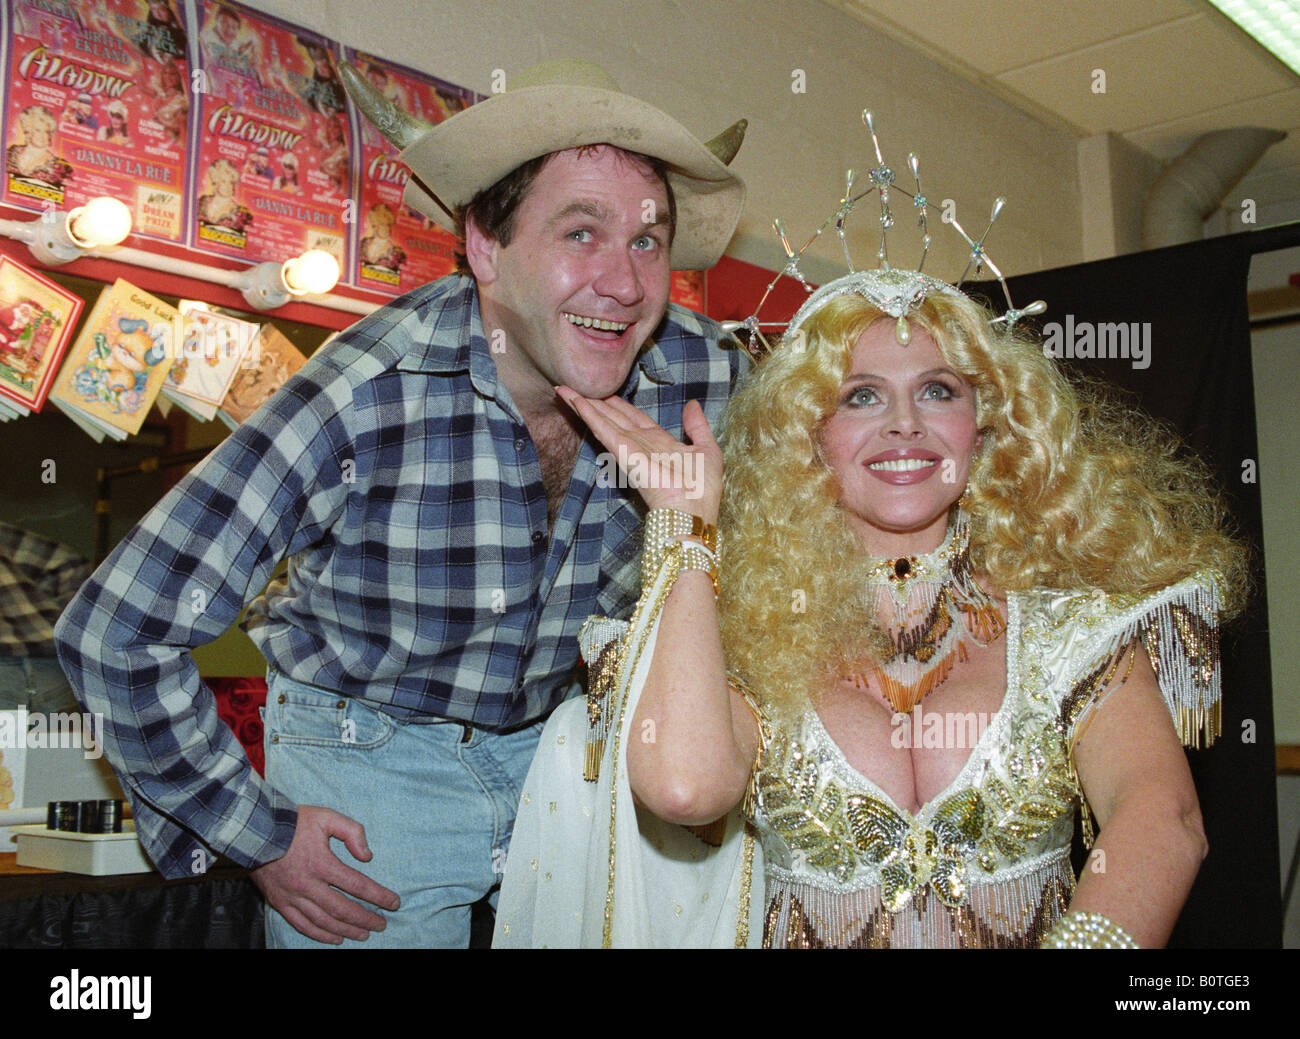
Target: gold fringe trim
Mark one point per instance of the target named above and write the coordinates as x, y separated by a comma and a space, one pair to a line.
602, 679
1195, 723
903, 698
1181, 636
712, 833
746, 884
749, 801
595, 752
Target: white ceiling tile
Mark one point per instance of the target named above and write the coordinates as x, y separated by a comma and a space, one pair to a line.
993, 38
1151, 77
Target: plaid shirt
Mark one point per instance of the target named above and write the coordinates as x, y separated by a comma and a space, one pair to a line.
399, 478
38, 578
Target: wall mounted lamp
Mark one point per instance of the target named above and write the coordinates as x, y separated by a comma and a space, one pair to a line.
270, 285
56, 238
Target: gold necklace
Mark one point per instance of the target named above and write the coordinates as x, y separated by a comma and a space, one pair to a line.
938, 609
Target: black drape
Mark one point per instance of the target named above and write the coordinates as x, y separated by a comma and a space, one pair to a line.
221, 910
1190, 300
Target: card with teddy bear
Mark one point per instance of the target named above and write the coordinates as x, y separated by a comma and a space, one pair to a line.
117, 366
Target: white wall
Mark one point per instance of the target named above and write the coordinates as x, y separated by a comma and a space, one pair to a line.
1275, 355
710, 62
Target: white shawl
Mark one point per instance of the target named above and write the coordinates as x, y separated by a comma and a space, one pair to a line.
587, 867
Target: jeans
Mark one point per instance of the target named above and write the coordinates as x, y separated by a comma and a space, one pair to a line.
437, 800
36, 683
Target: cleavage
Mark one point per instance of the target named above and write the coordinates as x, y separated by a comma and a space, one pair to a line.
915, 758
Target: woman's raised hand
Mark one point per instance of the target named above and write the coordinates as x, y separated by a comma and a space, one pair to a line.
668, 473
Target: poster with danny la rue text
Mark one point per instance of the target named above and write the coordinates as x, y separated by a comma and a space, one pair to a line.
398, 248
98, 104
273, 165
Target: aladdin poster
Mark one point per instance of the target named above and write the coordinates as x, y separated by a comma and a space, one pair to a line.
273, 169
399, 249
98, 104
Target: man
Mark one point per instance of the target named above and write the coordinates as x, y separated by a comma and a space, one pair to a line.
232, 54
445, 527
38, 578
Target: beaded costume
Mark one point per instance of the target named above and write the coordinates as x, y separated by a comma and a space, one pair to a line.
986, 863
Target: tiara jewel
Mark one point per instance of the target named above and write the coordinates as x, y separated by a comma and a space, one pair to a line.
897, 292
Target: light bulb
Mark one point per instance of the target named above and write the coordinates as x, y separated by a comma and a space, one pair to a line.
101, 222
313, 273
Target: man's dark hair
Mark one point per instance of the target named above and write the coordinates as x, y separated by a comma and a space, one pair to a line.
493, 209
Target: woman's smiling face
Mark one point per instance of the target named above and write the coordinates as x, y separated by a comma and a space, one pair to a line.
900, 441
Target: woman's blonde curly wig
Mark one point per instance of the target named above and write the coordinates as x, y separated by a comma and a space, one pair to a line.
1069, 490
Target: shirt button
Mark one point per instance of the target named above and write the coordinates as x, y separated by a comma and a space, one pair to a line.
520, 444
537, 536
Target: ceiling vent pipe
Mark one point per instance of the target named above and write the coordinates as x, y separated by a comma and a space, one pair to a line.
1194, 184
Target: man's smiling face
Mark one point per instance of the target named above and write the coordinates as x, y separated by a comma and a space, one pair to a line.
584, 280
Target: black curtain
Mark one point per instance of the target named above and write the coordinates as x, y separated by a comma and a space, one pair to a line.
1183, 311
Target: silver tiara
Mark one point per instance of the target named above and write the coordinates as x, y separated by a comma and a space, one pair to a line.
896, 291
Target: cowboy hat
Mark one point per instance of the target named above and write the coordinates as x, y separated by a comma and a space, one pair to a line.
549, 108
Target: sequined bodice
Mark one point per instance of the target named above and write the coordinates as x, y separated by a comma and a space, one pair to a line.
986, 862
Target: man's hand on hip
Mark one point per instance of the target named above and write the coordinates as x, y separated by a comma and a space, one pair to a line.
301, 885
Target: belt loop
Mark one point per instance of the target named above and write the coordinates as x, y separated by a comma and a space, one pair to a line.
467, 734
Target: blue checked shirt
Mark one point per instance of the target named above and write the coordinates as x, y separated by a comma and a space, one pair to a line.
399, 479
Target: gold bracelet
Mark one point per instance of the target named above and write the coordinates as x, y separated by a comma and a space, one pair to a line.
665, 526
1080, 930
696, 557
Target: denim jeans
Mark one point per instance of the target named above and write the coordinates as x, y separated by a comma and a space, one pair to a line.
36, 683
437, 800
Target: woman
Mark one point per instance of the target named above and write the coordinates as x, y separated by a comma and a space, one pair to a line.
379, 248
333, 142
219, 207
166, 39
921, 520
34, 158
118, 131
173, 106
288, 178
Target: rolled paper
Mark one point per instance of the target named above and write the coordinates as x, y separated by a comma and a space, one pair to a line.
23, 816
